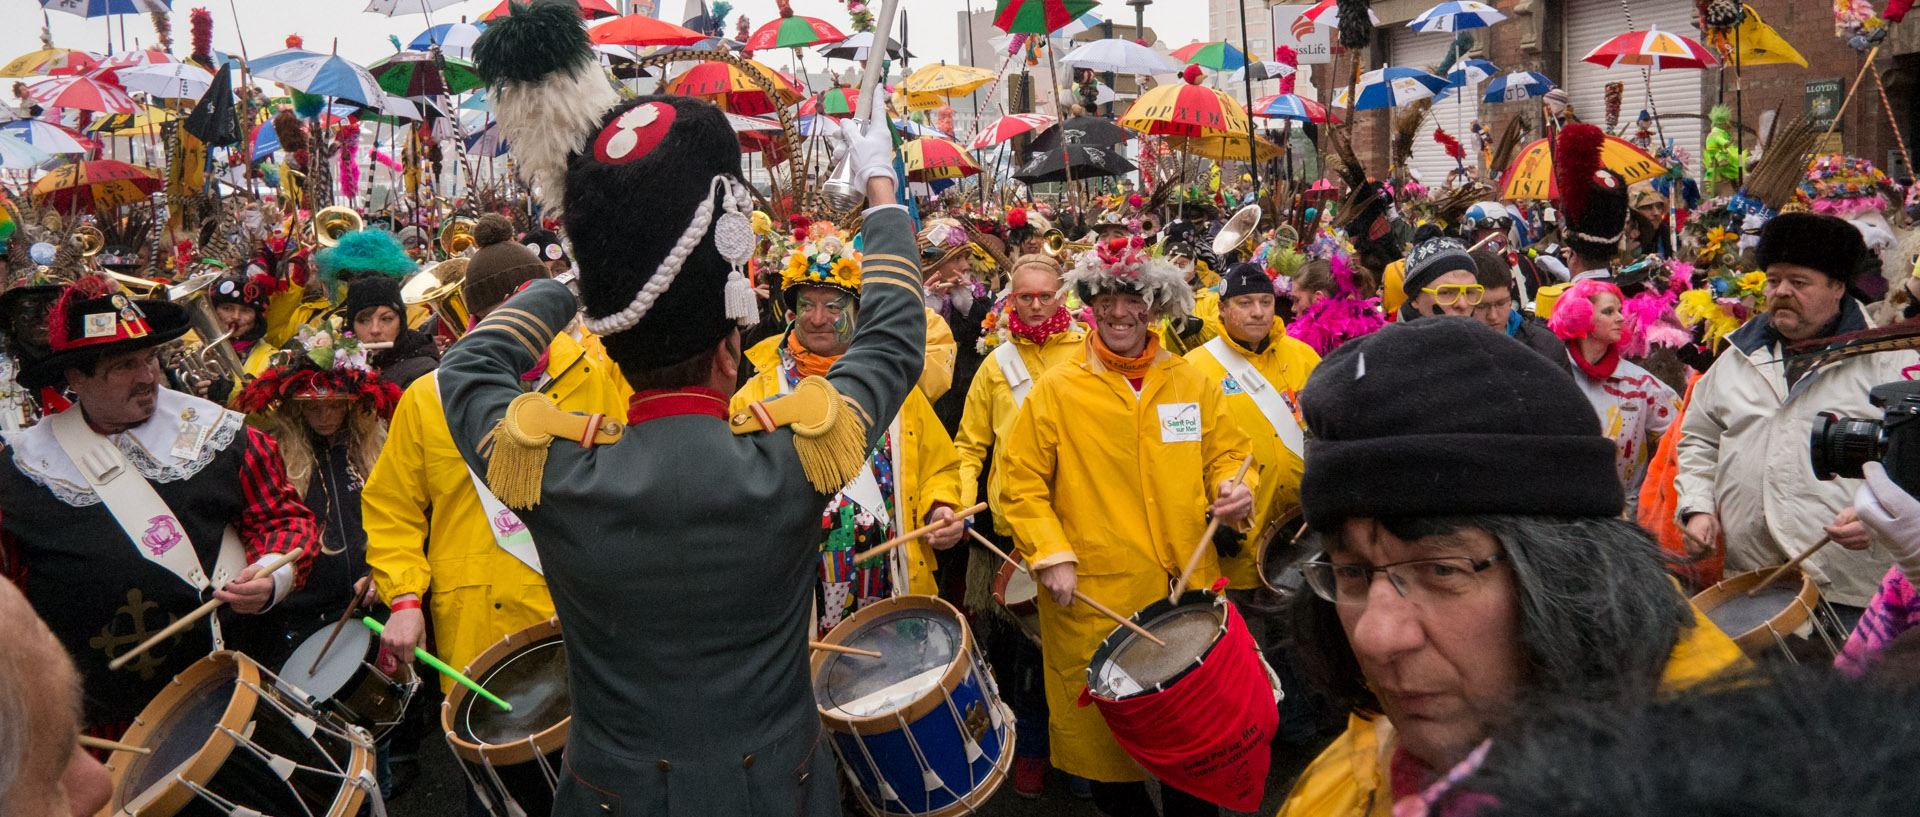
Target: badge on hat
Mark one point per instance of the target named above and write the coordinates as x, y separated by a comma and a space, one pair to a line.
635, 133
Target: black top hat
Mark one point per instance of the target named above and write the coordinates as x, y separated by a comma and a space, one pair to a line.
91, 320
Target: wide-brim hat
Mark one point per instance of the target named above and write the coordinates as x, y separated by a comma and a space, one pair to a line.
95, 327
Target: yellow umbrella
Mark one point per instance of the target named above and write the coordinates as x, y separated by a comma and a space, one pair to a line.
1226, 147
1531, 175
1185, 109
51, 61
1759, 44
148, 120
942, 79
931, 157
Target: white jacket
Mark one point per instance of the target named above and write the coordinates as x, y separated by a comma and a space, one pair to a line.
1743, 453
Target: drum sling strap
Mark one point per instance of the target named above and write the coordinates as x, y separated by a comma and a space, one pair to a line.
509, 532
1014, 368
1273, 404
151, 526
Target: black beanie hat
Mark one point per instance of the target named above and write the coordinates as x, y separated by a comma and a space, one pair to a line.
372, 291
1444, 417
1825, 243
1433, 258
1245, 279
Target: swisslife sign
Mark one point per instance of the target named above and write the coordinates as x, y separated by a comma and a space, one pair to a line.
1312, 41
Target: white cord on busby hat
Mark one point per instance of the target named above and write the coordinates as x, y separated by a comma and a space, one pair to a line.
732, 236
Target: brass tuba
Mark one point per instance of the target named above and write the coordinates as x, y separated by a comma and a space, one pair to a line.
332, 223
1238, 232
212, 332
456, 236
439, 288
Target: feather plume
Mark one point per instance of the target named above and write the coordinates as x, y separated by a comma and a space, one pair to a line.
163, 29
293, 137
1779, 171
1897, 10
1509, 143
294, 41
1651, 322
1356, 29
1450, 144
742, 29
785, 7
1405, 127
1349, 167
1285, 55
200, 23
1576, 157
388, 161
1819, 352
350, 158
549, 93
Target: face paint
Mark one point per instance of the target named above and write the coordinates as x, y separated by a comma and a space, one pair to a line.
843, 325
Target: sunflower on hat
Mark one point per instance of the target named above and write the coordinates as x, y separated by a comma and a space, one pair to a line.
320, 364
819, 257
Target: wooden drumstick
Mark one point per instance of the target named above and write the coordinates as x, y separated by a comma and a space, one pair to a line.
279, 561
1193, 562
916, 533
825, 647
91, 742
1077, 595
352, 605
1795, 562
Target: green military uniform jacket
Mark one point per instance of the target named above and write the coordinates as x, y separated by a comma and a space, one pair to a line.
682, 563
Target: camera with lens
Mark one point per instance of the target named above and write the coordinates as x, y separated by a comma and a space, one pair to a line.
1841, 445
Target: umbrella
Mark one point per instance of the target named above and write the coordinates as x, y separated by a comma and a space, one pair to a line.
486, 141
1038, 16
589, 9
1517, 85
708, 44
109, 69
1390, 87
1121, 57
1073, 161
1081, 130
1456, 16
148, 120
1530, 176
319, 74
793, 31
932, 157
48, 136
1262, 70
639, 29
102, 8
395, 8
454, 39
414, 73
177, 80
941, 79
1759, 44
98, 185
1218, 56
50, 62
1009, 126
1223, 147
749, 124
1325, 13
1290, 106
16, 153
82, 93
1653, 49
855, 47
834, 102
732, 89
1470, 72
1185, 109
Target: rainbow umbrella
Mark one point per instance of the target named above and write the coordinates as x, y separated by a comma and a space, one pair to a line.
1009, 126
792, 31
1291, 106
53, 62
931, 157
1219, 56
639, 29
833, 102
1653, 49
1531, 175
98, 185
1185, 109
1038, 16
414, 73
589, 9
732, 89
82, 93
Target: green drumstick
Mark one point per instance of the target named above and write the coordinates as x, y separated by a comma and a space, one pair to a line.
440, 665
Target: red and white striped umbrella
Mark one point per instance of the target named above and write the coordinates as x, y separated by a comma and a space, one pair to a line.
109, 69
1324, 13
82, 93
1653, 49
1007, 127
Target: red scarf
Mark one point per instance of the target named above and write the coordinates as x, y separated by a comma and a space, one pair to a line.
807, 363
1598, 371
1037, 335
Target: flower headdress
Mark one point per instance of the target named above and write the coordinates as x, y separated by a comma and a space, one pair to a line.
1844, 186
1722, 302
320, 364
819, 257
1123, 265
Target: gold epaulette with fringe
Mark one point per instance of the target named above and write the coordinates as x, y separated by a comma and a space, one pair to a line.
519, 444
829, 430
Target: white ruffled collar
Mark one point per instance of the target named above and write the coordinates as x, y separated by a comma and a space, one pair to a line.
148, 446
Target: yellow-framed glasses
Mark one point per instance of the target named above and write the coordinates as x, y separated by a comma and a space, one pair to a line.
1453, 293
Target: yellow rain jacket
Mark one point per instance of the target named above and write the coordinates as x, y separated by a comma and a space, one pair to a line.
426, 531
990, 412
1285, 364
929, 471
1206, 307
935, 379
1118, 484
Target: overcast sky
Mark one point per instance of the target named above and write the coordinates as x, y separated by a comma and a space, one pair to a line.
362, 37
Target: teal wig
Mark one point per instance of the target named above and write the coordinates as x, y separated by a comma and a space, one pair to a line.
363, 252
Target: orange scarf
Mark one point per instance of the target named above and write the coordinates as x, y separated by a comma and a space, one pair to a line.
1131, 368
806, 363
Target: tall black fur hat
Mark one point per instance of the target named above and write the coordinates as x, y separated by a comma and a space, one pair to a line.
1825, 243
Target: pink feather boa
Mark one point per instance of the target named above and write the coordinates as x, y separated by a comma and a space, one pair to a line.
349, 137
388, 161
1341, 318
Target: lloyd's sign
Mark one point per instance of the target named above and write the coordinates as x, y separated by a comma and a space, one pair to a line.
1313, 42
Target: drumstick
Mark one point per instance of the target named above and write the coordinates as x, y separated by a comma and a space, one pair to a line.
1824, 541
1077, 595
198, 613
352, 605
440, 665
1193, 562
113, 745
916, 533
825, 647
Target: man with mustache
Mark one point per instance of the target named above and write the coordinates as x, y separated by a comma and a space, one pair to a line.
1744, 475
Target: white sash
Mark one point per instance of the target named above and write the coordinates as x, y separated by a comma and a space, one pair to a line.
508, 531
1273, 403
1014, 367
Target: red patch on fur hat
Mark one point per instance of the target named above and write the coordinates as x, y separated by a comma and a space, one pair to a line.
635, 133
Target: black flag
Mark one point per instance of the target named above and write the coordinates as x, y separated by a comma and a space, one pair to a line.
213, 120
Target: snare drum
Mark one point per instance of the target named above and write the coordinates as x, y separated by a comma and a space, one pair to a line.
1763, 620
1279, 553
226, 740
513, 758
346, 682
1014, 589
921, 730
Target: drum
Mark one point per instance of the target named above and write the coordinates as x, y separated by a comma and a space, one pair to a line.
346, 682
1015, 589
513, 758
1197, 713
1762, 621
920, 730
226, 740
1279, 551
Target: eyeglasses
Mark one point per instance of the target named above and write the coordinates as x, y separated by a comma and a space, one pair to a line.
1417, 580
1452, 293
1491, 307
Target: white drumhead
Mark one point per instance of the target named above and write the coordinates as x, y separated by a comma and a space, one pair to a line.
336, 668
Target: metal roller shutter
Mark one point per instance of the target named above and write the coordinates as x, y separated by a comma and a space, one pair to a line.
1413, 49
1592, 22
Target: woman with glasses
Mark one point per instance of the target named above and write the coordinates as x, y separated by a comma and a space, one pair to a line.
1635, 408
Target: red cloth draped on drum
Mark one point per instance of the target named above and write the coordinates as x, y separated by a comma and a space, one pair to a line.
1207, 734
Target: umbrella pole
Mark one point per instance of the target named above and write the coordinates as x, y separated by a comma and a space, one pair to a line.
1246, 69
1059, 108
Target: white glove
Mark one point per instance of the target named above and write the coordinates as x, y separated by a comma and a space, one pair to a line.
869, 150
1893, 515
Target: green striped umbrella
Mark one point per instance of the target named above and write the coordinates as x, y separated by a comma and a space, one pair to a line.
1217, 56
413, 74
792, 32
1038, 16
834, 102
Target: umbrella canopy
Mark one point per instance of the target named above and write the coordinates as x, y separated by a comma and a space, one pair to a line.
1121, 57
48, 136
1517, 85
856, 46
1290, 106
750, 124
1038, 16
1185, 109
1456, 16
1081, 130
454, 39
82, 93
1758, 44
835, 102
1262, 70
16, 153
1220, 56
1230, 147
176, 80
52, 62
1009, 126
102, 8
1470, 72
109, 69
487, 140
732, 89
99, 185
931, 157
589, 10
1653, 49
941, 79
639, 29
145, 121
395, 8
319, 74
1073, 161
413, 73
1390, 87
1325, 13
792, 32
1531, 174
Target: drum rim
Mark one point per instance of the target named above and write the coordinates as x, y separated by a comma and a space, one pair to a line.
1122, 635
1260, 551
1760, 636
928, 701
543, 742
173, 792
989, 785
368, 653
1004, 577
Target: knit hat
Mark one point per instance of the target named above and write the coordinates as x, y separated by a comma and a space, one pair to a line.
1488, 426
1245, 279
499, 266
1825, 243
1433, 258
92, 319
367, 293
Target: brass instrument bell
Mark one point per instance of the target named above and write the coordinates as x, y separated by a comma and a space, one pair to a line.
333, 222
92, 241
456, 237
439, 288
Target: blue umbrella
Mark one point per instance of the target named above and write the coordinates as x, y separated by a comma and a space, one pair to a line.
1456, 16
17, 153
1391, 87
476, 101
1471, 72
1517, 85
456, 39
102, 8
320, 75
